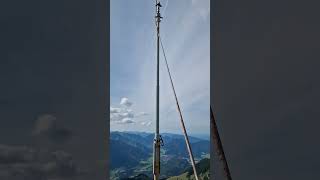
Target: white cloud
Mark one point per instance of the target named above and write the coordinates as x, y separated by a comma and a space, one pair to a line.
114, 110
125, 101
126, 121
123, 114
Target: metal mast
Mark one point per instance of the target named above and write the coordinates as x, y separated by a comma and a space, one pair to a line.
157, 138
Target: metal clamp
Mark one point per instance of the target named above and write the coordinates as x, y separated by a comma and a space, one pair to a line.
161, 141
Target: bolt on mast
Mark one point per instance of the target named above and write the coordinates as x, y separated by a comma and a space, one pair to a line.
157, 138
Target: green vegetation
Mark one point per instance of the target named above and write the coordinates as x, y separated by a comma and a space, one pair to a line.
131, 155
203, 169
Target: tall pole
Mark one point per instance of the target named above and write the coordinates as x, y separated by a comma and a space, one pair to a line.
157, 138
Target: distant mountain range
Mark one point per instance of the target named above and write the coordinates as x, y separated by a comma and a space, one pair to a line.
131, 154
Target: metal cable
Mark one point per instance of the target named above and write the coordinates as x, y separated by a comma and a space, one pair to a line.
181, 118
218, 145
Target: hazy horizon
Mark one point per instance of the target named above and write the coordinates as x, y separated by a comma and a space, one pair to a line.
204, 136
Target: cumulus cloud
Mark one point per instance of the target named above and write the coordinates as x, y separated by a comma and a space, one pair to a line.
47, 126
125, 101
21, 162
123, 114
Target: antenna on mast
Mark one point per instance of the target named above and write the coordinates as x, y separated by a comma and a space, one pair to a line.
157, 139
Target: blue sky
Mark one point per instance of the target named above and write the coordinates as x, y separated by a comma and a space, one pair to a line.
185, 32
